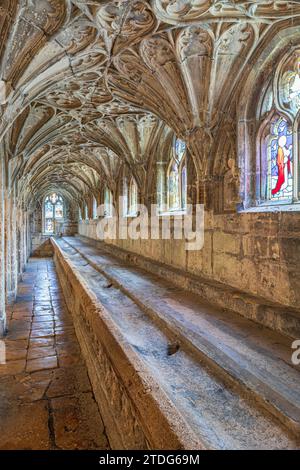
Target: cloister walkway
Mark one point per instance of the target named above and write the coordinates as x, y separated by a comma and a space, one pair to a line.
46, 400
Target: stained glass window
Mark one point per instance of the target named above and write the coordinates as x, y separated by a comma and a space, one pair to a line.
49, 226
53, 210
279, 135
54, 198
59, 210
180, 148
280, 151
290, 87
48, 210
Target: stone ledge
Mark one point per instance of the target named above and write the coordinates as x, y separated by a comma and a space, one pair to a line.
186, 318
285, 320
136, 411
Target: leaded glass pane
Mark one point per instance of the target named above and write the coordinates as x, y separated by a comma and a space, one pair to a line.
180, 148
290, 87
54, 198
59, 210
280, 151
173, 188
53, 210
48, 210
49, 226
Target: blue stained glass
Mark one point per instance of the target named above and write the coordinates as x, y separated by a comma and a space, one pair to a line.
59, 210
180, 148
48, 210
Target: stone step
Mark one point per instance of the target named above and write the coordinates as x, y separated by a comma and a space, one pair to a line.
254, 358
199, 370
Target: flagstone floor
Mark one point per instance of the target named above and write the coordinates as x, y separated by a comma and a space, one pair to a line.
46, 400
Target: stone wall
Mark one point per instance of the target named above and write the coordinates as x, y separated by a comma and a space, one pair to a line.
40, 242
257, 253
41, 246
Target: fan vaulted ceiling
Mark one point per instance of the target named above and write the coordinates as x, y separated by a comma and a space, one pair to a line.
89, 86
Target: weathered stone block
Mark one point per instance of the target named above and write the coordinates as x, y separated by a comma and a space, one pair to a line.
226, 243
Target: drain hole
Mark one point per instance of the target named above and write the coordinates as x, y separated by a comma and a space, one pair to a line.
173, 348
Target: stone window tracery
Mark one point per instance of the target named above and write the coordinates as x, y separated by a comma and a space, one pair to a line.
279, 134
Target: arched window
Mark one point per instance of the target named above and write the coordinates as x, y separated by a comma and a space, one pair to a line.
95, 208
86, 212
108, 201
277, 164
279, 135
53, 212
130, 197
161, 177
177, 177
125, 197
133, 198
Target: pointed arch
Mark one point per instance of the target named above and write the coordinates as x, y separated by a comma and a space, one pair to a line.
177, 177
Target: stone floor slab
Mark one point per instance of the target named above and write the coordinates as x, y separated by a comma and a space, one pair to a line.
46, 399
77, 423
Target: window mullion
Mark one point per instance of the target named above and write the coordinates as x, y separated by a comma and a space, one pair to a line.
295, 165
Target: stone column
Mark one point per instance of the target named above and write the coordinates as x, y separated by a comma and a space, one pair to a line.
70, 225
11, 245
25, 239
21, 222
7, 230
2, 249
14, 246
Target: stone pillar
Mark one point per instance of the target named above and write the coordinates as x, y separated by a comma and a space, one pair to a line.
2, 249
25, 238
8, 248
70, 225
11, 246
14, 245
21, 222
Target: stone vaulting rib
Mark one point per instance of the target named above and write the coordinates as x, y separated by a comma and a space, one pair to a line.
87, 68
